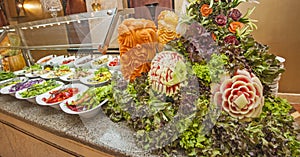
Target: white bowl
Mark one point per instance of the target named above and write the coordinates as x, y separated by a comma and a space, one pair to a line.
5, 90
71, 64
86, 65
4, 81
114, 68
32, 99
55, 61
49, 75
42, 60
32, 75
97, 66
13, 79
20, 72
280, 59
85, 80
39, 99
85, 114
65, 77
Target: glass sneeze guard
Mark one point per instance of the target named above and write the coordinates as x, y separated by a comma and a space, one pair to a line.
90, 30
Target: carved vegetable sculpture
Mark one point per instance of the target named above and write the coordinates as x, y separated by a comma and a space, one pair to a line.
167, 23
241, 96
137, 39
167, 71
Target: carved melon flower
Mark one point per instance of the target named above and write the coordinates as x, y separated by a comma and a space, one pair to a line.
241, 96
167, 71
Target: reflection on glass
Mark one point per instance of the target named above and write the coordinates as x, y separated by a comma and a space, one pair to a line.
96, 6
52, 6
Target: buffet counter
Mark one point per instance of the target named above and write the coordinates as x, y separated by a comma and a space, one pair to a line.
27, 129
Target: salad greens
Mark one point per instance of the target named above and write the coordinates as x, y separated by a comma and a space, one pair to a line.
90, 98
11, 82
271, 134
62, 70
63, 67
22, 85
38, 89
35, 67
6, 75
216, 42
100, 70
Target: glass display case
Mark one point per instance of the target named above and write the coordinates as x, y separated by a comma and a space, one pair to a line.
81, 33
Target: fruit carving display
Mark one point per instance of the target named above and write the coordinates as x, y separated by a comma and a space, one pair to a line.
137, 39
241, 96
167, 71
167, 23
225, 94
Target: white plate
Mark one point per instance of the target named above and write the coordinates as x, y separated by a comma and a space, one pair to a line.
114, 68
65, 77
5, 90
85, 65
39, 99
44, 58
20, 72
32, 75
85, 81
51, 75
18, 95
71, 64
48, 75
85, 114
4, 81
95, 66
56, 60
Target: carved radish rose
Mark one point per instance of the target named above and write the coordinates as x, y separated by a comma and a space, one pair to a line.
241, 96
167, 71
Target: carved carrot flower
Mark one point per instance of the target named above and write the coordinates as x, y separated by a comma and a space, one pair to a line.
233, 26
205, 10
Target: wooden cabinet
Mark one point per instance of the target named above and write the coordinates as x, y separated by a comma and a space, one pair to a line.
21, 139
16, 143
